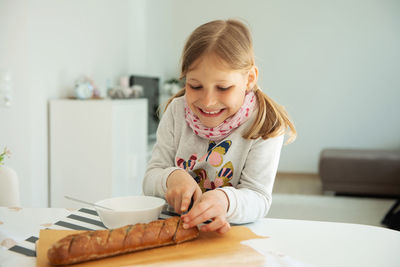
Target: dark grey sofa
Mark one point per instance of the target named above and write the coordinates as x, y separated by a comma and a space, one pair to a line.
361, 172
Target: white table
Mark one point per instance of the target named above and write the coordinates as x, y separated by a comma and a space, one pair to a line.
312, 242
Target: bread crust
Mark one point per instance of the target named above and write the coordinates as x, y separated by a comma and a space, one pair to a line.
99, 244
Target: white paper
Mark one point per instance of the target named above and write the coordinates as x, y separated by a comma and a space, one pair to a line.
274, 258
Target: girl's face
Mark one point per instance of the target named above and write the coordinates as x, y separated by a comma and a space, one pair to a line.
214, 92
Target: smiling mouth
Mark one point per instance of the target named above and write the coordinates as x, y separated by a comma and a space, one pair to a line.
213, 113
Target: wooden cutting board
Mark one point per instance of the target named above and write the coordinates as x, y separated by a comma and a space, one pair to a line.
208, 248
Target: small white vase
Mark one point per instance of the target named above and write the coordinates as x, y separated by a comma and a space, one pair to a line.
9, 187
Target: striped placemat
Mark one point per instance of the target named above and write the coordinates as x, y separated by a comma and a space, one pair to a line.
82, 219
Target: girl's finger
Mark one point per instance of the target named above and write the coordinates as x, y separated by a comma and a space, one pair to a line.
215, 225
169, 200
197, 195
177, 204
225, 228
186, 199
200, 213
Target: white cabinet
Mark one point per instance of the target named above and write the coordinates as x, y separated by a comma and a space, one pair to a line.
97, 149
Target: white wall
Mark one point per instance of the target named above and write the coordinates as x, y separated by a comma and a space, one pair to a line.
48, 45
151, 38
335, 66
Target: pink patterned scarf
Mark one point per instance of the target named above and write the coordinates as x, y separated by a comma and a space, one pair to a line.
225, 128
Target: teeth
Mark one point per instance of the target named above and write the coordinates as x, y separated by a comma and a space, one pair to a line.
211, 112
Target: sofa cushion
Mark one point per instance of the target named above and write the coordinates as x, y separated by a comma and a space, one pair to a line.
346, 168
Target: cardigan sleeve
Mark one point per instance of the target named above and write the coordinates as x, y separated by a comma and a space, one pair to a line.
252, 197
161, 163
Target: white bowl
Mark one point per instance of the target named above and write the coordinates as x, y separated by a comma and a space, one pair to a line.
129, 210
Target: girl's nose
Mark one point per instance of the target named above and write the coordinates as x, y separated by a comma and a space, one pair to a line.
209, 99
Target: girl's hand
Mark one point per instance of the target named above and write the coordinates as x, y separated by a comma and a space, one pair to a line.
212, 205
181, 187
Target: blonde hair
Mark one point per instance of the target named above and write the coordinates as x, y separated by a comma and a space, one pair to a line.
231, 41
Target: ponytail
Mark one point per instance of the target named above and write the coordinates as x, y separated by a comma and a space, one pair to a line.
271, 120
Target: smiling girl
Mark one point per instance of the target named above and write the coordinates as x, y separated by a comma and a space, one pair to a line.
219, 140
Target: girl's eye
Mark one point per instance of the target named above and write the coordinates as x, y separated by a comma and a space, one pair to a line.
195, 87
224, 88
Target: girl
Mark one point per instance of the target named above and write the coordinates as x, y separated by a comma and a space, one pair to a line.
219, 140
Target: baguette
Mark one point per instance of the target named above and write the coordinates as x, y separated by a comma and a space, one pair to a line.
91, 245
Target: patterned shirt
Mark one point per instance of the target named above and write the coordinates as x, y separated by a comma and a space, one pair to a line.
244, 169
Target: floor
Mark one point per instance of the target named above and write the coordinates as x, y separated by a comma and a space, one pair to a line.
300, 196
296, 183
